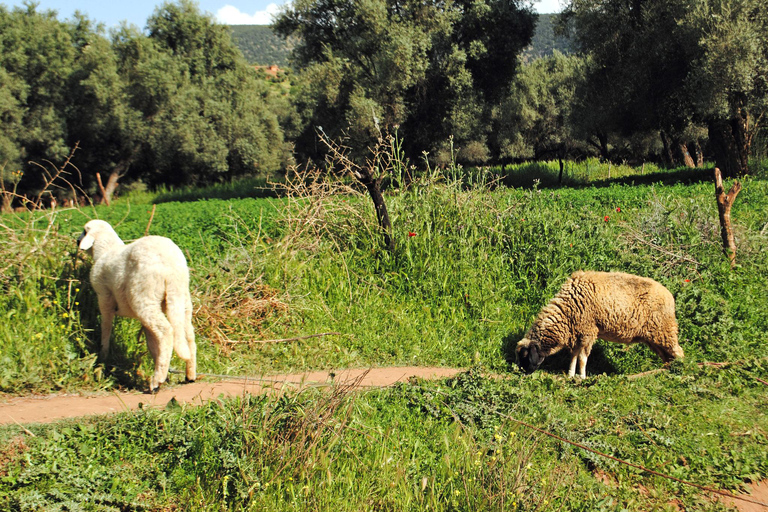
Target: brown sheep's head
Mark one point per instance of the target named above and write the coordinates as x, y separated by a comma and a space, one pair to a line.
527, 355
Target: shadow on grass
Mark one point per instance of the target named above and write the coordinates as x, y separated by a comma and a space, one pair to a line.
257, 188
541, 176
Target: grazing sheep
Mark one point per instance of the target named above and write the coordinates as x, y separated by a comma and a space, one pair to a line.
613, 306
147, 280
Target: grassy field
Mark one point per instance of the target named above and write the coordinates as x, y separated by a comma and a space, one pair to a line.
474, 262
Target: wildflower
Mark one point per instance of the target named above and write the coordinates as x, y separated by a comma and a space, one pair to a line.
606, 218
618, 210
65, 315
687, 280
411, 233
77, 290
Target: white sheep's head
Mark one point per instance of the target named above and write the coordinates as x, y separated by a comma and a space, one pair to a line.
528, 355
97, 232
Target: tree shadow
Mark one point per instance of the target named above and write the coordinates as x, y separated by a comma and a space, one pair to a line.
542, 177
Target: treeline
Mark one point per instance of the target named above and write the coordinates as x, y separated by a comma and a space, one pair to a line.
674, 81
176, 104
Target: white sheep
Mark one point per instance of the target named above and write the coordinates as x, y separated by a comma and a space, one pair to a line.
147, 280
613, 306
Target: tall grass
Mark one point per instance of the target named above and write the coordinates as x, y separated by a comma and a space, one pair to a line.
471, 268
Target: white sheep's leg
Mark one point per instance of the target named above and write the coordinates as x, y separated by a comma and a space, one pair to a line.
159, 342
107, 308
189, 331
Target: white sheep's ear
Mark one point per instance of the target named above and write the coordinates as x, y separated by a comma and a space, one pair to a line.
86, 241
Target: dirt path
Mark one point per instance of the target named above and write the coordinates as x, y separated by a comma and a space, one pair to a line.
45, 409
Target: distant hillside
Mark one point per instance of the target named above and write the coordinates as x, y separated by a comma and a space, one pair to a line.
545, 41
260, 45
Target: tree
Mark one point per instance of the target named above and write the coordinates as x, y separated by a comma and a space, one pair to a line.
673, 65
433, 69
534, 121
729, 79
36, 56
205, 116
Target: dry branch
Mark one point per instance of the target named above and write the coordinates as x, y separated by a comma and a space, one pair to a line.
724, 204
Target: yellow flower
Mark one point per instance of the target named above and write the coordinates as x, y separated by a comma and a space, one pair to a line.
65, 315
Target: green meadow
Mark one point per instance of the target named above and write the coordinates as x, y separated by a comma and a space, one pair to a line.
477, 254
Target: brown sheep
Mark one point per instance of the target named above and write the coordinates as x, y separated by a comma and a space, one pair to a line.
613, 306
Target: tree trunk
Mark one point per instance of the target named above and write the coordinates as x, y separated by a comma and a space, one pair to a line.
730, 144
724, 203
374, 190
669, 157
685, 156
107, 191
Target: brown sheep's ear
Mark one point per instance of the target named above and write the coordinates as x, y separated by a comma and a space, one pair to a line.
534, 357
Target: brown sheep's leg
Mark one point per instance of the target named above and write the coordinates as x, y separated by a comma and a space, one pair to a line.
585, 348
575, 354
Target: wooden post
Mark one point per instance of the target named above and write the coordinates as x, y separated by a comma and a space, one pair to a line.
724, 203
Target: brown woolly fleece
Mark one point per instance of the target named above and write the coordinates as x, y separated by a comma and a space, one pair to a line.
613, 306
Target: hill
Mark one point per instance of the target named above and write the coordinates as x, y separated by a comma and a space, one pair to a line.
260, 45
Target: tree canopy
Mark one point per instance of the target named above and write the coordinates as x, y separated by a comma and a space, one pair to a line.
433, 69
175, 105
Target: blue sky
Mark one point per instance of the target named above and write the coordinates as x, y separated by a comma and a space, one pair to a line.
230, 12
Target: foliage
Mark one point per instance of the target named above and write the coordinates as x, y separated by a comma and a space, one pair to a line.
175, 105
534, 119
667, 66
432, 69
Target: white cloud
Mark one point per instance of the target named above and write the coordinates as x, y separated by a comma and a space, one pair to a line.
231, 15
548, 6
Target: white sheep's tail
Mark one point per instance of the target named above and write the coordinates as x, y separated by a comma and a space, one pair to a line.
176, 302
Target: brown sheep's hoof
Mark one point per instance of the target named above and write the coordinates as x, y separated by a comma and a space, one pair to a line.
153, 391
188, 381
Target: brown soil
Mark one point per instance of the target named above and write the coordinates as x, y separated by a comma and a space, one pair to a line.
758, 492
45, 409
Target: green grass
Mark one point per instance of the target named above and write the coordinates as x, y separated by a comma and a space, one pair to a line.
453, 445
461, 291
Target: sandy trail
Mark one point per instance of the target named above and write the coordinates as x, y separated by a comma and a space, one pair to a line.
45, 409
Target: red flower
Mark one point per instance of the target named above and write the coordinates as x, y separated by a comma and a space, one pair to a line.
606, 218
618, 209
411, 233
687, 280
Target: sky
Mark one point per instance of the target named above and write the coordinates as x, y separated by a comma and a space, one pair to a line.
228, 12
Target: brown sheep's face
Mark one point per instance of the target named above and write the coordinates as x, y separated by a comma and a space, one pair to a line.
528, 358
